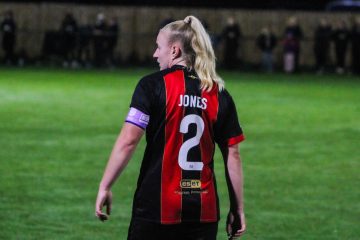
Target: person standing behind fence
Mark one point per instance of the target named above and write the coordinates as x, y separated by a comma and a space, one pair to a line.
293, 28
112, 39
100, 43
341, 37
8, 30
266, 41
355, 48
84, 50
231, 36
322, 40
69, 30
290, 45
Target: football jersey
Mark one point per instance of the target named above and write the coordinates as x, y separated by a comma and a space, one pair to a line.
177, 181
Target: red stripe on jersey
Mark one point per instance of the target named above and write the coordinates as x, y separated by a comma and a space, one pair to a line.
235, 140
171, 172
208, 194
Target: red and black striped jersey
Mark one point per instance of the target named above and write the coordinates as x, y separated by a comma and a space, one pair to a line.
177, 182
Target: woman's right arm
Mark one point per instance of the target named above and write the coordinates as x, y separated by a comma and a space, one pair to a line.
122, 151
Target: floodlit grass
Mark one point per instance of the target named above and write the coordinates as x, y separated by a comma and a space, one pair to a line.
301, 157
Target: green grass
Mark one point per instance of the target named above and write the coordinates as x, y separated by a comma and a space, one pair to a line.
301, 157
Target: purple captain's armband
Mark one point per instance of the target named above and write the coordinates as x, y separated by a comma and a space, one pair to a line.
137, 118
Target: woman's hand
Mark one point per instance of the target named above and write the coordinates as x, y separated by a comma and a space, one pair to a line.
104, 198
235, 224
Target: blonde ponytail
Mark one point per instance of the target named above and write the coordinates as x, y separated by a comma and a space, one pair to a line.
197, 49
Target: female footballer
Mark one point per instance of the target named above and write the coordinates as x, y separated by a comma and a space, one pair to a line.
184, 110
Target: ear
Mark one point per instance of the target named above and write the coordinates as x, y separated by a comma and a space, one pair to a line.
175, 51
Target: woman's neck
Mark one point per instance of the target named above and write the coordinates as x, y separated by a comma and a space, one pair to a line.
178, 61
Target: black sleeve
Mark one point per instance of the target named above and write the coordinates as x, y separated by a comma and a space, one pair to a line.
227, 128
142, 97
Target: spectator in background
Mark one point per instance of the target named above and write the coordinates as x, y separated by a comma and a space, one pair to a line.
341, 37
355, 50
112, 38
322, 40
293, 29
290, 45
215, 38
85, 45
266, 41
69, 30
231, 36
100, 43
8, 30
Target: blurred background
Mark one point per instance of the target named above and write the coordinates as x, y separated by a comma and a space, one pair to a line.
68, 70
276, 35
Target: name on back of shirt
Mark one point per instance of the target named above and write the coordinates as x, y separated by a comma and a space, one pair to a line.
192, 101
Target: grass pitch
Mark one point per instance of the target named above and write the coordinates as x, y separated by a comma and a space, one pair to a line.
301, 157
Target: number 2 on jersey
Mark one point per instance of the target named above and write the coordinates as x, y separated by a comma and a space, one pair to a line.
190, 143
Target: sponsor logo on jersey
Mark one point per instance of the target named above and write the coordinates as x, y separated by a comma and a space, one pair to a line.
190, 183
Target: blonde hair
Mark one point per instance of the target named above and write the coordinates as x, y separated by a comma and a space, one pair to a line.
197, 50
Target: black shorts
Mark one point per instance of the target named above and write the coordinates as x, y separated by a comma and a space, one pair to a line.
144, 230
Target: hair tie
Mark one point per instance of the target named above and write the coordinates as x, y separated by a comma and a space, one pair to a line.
187, 20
